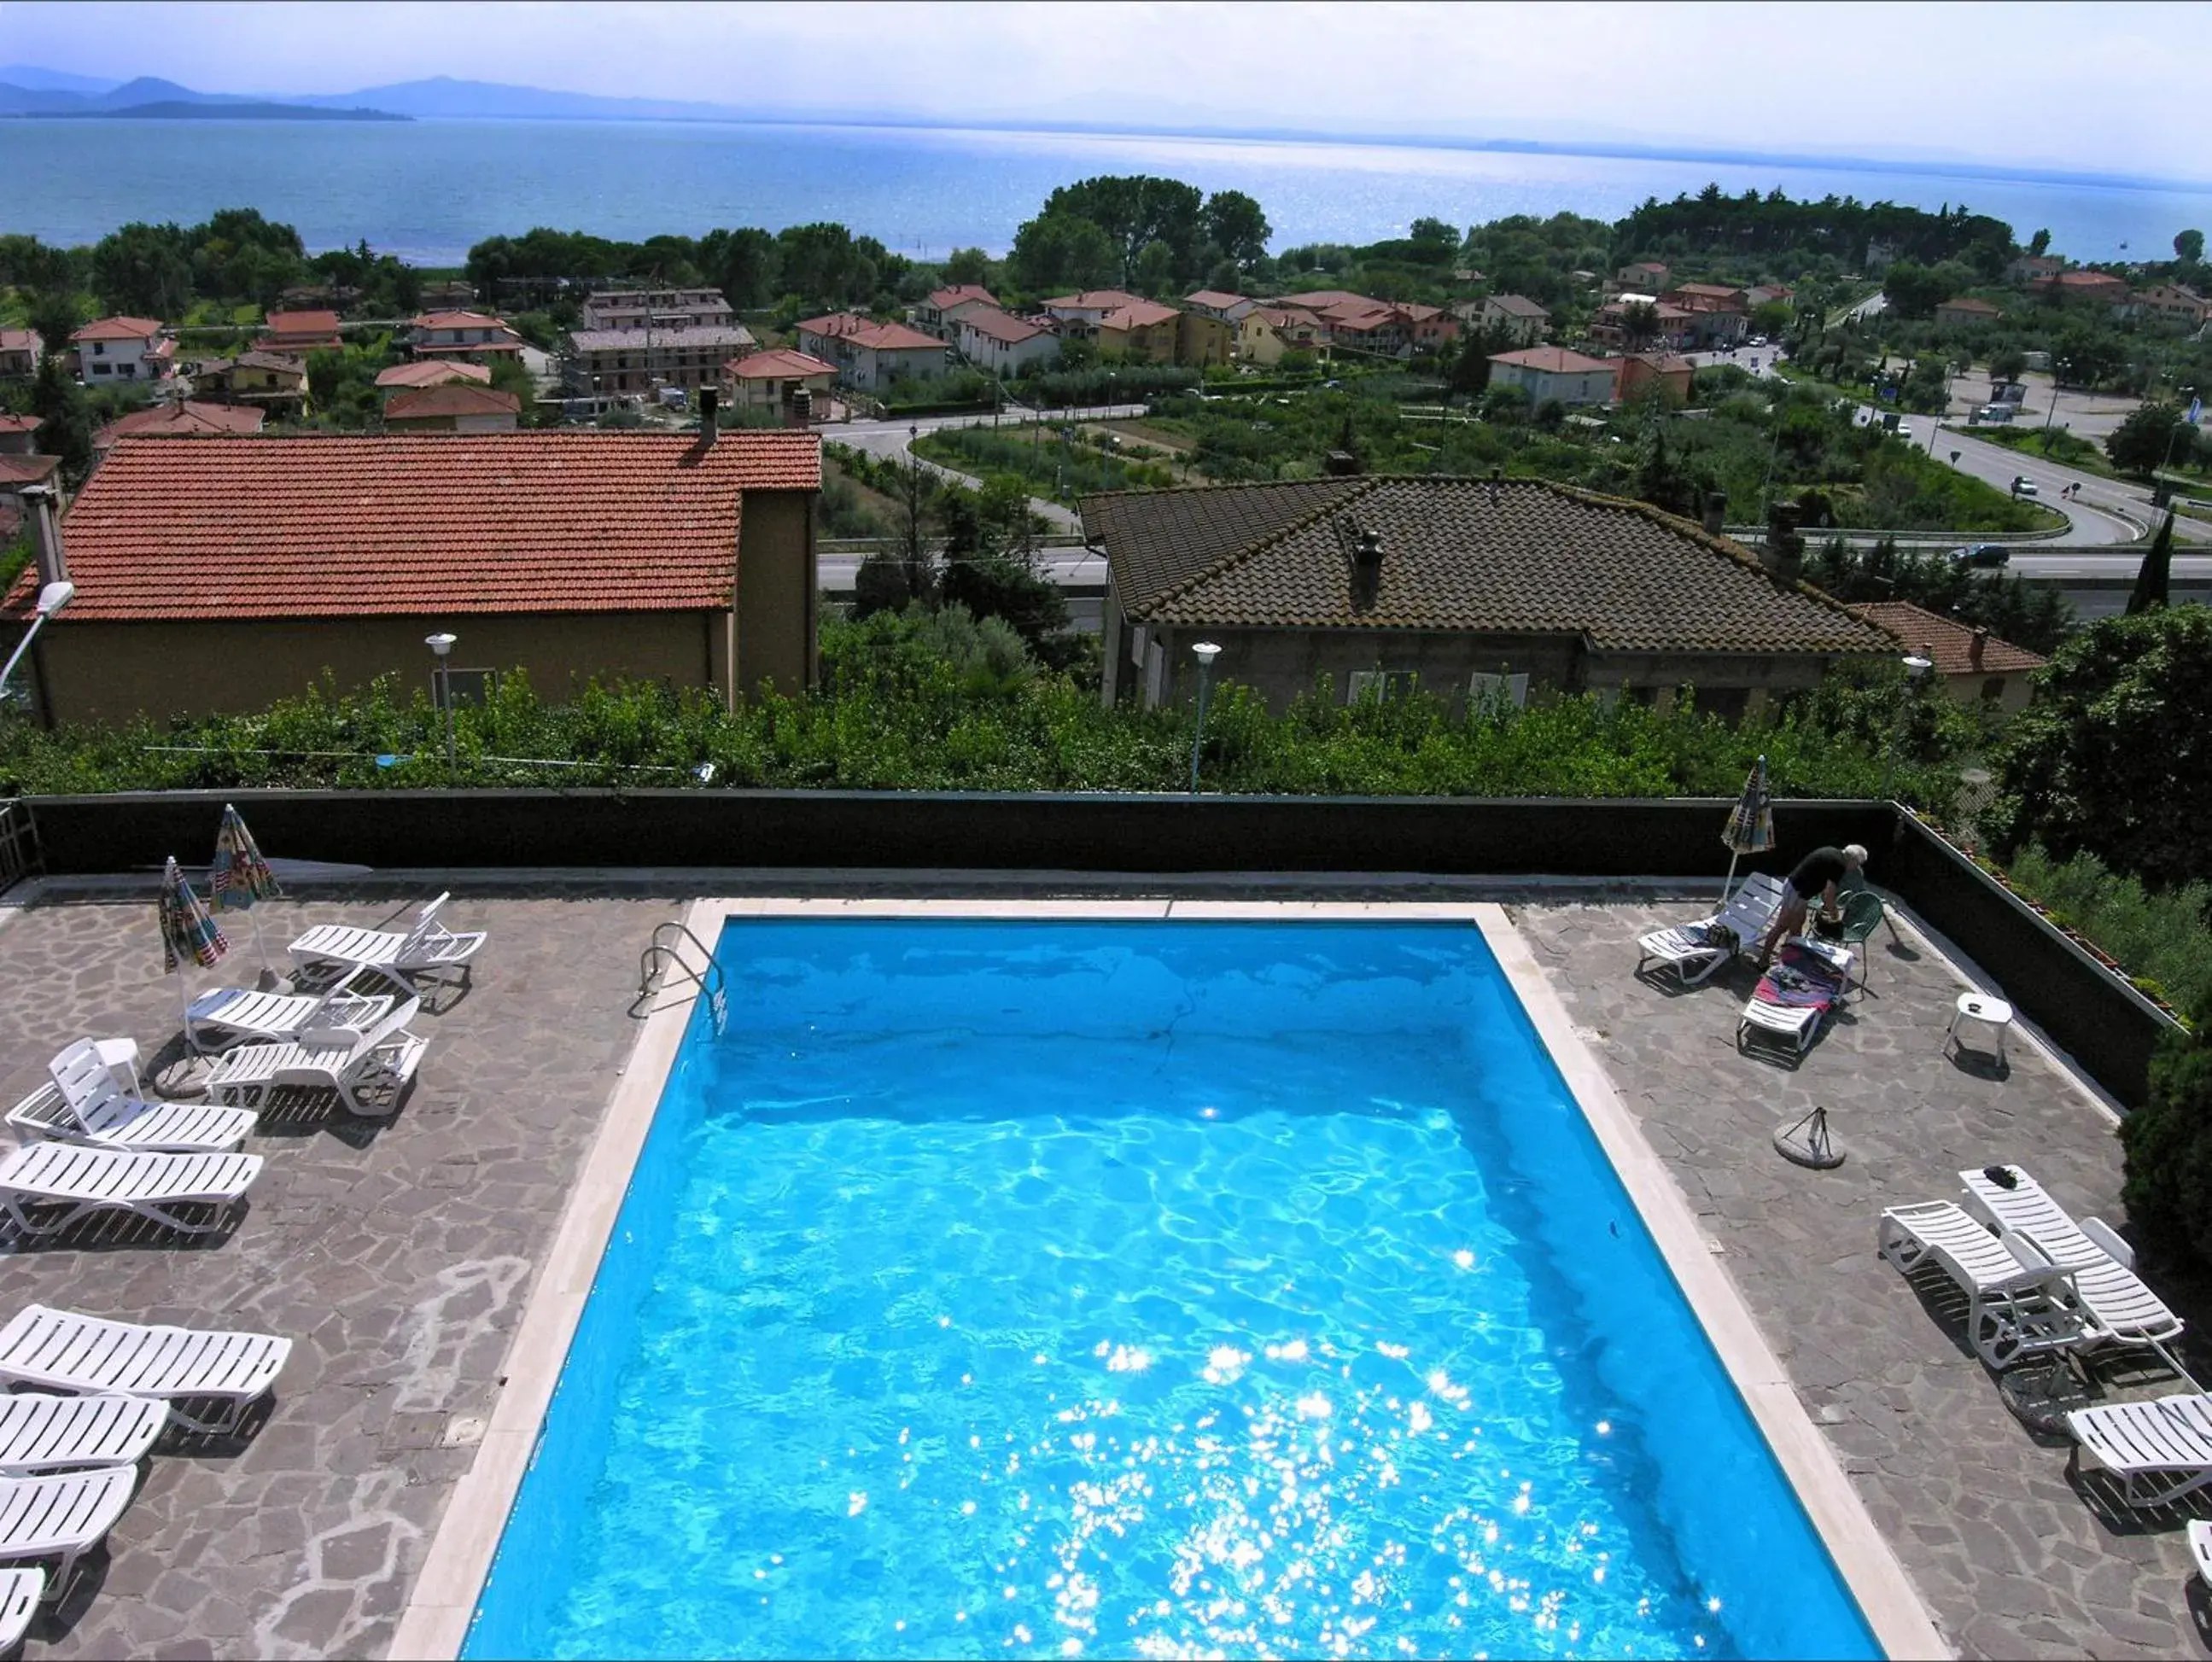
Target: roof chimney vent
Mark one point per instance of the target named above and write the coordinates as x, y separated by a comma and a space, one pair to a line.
1340, 464
1497, 477
709, 426
1367, 550
1974, 646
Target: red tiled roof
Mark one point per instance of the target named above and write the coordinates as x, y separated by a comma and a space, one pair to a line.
2092, 280
1968, 303
421, 524
836, 325
18, 340
302, 323
190, 418
19, 424
118, 329
960, 294
876, 336
1093, 299
1517, 305
1319, 298
15, 471
434, 372
1285, 317
453, 398
1552, 360
1212, 297
1003, 326
458, 320
1947, 642
1138, 315
776, 363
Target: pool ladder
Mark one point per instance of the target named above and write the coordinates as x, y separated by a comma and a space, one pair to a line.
663, 956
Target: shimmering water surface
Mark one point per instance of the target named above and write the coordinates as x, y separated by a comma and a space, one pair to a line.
1144, 1289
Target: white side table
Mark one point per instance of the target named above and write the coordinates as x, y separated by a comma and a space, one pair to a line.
120, 1057
1993, 1013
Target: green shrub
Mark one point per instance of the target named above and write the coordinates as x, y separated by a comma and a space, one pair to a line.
2163, 936
2168, 1145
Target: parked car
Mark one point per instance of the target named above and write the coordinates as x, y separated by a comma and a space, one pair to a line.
1983, 555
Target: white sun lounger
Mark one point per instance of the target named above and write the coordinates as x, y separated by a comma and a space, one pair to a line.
62, 1515
42, 1432
20, 1589
80, 1179
1763, 1021
1685, 948
61, 1350
225, 1016
81, 1103
367, 1074
2160, 1451
2123, 1310
2018, 1302
2200, 1548
430, 945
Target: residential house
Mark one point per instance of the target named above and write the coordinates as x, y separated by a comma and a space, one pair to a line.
1456, 584
1671, 327
1719, 315
769, 383
434, 372
941, 313
451, 295
1143, 331
657, 309
189, 419
2035, 268
1645, 274
1370, 326
1078, 315
123, 349
1002, 343
273, 380
1516, 315
20, 352
1965, 311
1266, 332
1975, 666
1432, 328
872, 355
1547, 372
1203, 337
1211, 303
1660, 374
2086, 285
1317, 300
475, 336
19, 471
2170, 303
457, 407
19, 434
295, 334
627, 363
256, 565
1768, 293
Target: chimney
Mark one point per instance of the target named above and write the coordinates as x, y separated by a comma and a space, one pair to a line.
1496, 477
707, 425
1368, 553
1716, 512
46, 533
802, 407
1340, 464
1974, 648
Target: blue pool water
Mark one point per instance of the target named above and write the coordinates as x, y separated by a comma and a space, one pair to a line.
1140, 1289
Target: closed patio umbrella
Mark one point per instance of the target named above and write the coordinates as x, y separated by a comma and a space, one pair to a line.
188, 932
240, 877
1750, 829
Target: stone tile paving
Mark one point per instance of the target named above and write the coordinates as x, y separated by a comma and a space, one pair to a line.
397, 1253
2012, 1556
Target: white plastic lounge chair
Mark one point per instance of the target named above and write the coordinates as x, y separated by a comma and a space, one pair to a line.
2122, 1310
430, 945
2200, 1548
1818, 975
369, 1075
82, 1104
225, 1016
42, 1432
62, 1515
2018, 1302
2160, 1450
20, 1591
1688, 949
61, 1350
38, 1178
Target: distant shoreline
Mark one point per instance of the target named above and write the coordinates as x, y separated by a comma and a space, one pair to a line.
178, 110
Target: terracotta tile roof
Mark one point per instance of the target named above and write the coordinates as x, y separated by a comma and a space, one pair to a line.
1552, 360
1286, 317
118, 329
454, 398
191, 418
835, 325
1138, 315
778, 363
18, 471
434, 372
1092, 299
1517, 305
1542, 559
1003, 326
1968, 303
18, 340
960, 294
458, 320
2079, 279
1314, 301
424, 524
1357, 316
893, 337
1214, 298
1718, 291
302, 323
1947, 642
19, 424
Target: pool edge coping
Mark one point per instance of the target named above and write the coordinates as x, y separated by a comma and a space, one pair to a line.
434, 1622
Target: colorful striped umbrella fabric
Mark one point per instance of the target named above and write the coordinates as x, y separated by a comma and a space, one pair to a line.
1750, 829
240, 875
187, 929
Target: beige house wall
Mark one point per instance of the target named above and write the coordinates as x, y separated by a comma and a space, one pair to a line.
779, 589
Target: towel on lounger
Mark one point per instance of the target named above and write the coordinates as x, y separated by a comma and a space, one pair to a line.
1801, 978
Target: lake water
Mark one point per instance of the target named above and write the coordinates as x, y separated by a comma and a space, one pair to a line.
427, 189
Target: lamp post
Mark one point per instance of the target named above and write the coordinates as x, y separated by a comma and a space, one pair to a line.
441, 645
1205, 651
1915, 667
51, 599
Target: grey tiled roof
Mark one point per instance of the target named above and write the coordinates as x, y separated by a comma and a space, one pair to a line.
1540, 558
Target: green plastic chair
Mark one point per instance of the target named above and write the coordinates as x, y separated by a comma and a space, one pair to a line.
1863, 915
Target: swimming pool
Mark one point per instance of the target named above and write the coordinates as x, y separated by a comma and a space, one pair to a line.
1140, 1288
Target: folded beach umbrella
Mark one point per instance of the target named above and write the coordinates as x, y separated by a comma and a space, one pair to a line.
1750, 829
188, 934
240, 876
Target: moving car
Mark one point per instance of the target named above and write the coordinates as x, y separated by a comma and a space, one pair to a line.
1986, 554
2023, 485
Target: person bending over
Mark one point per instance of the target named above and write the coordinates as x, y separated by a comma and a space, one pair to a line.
1818, 873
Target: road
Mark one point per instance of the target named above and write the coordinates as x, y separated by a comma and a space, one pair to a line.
894, 437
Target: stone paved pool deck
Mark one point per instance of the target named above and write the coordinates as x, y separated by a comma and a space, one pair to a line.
399, 1254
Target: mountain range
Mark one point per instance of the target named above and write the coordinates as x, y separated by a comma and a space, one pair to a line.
29, 90
151, 98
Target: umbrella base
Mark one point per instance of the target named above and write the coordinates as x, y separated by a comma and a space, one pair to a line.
1807, 1143
268, 981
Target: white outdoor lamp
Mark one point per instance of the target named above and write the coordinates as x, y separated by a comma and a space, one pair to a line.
1915, 667
442, 644
51, 599
1205, 651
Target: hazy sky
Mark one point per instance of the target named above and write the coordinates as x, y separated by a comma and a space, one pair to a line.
2099, 87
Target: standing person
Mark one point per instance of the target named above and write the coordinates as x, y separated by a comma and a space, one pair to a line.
1818, 873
